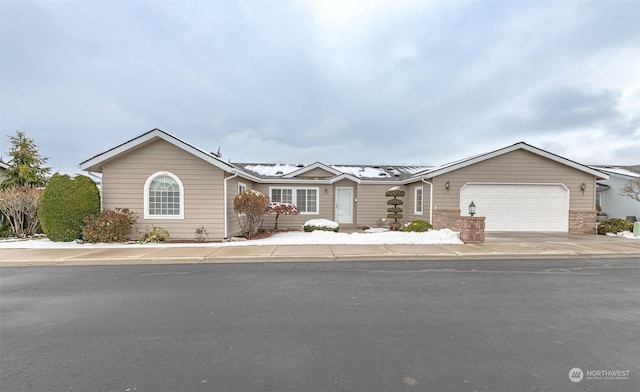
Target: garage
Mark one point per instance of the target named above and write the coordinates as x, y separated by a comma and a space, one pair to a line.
519, 207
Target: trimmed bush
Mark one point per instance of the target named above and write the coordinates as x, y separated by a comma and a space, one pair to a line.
418, 226
154, 234
614, 225
320, 224
395, 212
65, 203
109, 226
250, 207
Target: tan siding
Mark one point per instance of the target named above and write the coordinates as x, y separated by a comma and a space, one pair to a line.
316, 173
372, 204
293, 222
518, 166
232, 191
123, 187
409, 200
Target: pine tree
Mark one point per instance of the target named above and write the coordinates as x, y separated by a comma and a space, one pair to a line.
26, 167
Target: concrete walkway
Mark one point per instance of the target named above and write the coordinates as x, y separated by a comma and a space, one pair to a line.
497, 245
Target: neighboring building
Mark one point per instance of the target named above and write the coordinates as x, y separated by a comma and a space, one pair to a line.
3, 167
180, 187
609, 197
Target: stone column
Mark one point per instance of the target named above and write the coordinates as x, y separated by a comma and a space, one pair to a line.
472, 229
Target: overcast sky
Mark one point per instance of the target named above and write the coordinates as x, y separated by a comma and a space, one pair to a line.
404, 82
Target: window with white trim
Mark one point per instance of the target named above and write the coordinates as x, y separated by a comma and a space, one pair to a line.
241, 187
306, 199
163, 197
419, 200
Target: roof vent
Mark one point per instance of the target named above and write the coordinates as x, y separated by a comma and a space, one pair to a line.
299, 165
279, 172
382, 174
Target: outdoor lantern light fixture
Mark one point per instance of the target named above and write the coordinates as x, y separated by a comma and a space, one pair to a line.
583, 186
447, 185
326, 190
472, 208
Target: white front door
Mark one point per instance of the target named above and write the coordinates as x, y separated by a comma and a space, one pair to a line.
344, 205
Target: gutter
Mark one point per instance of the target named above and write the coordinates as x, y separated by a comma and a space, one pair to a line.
430, 199
226, 227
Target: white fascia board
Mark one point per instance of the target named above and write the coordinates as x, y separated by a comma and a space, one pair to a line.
93, 164
521, 145
612, 172
311, 167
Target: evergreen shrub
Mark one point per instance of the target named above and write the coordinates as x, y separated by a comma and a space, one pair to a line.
65, 203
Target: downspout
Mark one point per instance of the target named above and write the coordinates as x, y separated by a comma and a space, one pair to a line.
226, 227
430, 199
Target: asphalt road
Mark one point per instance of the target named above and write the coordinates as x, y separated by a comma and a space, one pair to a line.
438, 326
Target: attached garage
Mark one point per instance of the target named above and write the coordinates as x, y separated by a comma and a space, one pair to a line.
519, 207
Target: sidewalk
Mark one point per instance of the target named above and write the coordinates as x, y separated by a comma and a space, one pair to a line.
497, 245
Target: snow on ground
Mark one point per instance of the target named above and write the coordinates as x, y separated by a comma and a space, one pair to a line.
373, 237
624, 234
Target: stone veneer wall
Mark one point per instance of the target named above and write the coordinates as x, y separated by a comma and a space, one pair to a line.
472, 229
446, 219
582, 221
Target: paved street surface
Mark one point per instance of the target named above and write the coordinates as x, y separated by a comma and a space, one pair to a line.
465, 325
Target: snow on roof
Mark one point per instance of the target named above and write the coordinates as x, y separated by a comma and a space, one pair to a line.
360, 171
618, 170
272, 170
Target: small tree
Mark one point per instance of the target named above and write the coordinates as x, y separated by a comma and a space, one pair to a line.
277, 209
250, 207
19, 205
632, 189
26, 166
65, 203
395, 211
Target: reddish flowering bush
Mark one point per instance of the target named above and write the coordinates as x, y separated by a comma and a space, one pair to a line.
277, 209
109, 226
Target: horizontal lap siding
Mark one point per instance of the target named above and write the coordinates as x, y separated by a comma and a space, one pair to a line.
410, 202
232, 192
518, 166
372, 204
123, 182
296, 221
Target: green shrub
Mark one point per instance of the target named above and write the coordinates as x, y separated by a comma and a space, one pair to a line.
417, 226
614, 225
154, 234
65, 203
320, 224
109, 226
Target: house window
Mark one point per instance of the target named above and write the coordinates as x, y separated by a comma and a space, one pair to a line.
419, 192
306, 199
282, 195
241, 187
163, 197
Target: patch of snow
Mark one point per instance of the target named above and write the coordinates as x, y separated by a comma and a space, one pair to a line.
376, 236
376, 230
362, 171
321, 223
395, 188
272, 170
624, 234
618, 170
444, 236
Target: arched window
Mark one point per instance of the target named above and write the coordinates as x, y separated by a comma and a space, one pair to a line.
163, 197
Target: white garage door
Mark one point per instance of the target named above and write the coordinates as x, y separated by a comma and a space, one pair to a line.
519, 207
